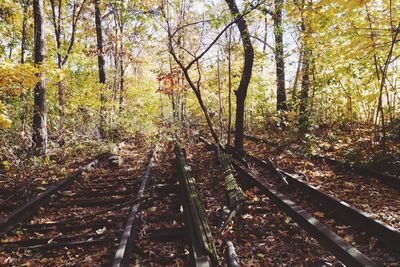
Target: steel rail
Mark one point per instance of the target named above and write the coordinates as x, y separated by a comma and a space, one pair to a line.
388, 179
125, 245
385, 233
28, 209
330, 240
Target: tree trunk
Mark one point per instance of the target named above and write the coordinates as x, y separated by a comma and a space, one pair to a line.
56, 16
229, 87
62, 59
304, 92
122, 84
207, 116
121, 70
241, 92
61, 102
220, 114
25, 6
39, 135
296, 79
305, 80
279, 57
101, 64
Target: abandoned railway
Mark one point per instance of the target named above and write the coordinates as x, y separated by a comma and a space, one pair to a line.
158, 206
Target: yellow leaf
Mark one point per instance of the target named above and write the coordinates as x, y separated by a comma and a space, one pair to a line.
5, 165
348, 238
319, 214
153, 209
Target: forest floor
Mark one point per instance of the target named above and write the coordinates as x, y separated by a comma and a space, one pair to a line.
356, 143
368, 195
93, 183
261, 232
22, 176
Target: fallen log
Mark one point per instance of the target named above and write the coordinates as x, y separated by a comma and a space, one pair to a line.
202, 247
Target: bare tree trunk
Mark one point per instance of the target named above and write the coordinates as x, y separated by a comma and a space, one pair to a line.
241, 92
220, 115
296, 79
39, 135
121, 66
383, 84
122, 84
279, 57
101, 64
56, 16
229, 87
305, 81
304, 93
25, 5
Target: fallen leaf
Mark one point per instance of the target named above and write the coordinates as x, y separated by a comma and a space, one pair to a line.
343, 227
348, 238
101, 231
153, 209
319, 214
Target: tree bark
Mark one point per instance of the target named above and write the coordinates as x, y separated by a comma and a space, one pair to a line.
121, 70
304, 93
39, 135
101, 65
122, 84
279, 57
305, 80
229, 87
296, 78
241, 92
220, 112
25, 5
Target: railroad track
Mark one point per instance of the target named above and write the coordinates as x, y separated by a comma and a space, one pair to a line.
174, 228
361, 228
104, 217
327, 238
13, 198
388, 179
80, 220
365, 192
111, 217
26, 210
352, 216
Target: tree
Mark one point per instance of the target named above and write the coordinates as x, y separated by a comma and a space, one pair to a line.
101, 65
57, 14
305, 79
279, 57
241, 92
25, 5
229, 87
121, 17
194, 85
39, 136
